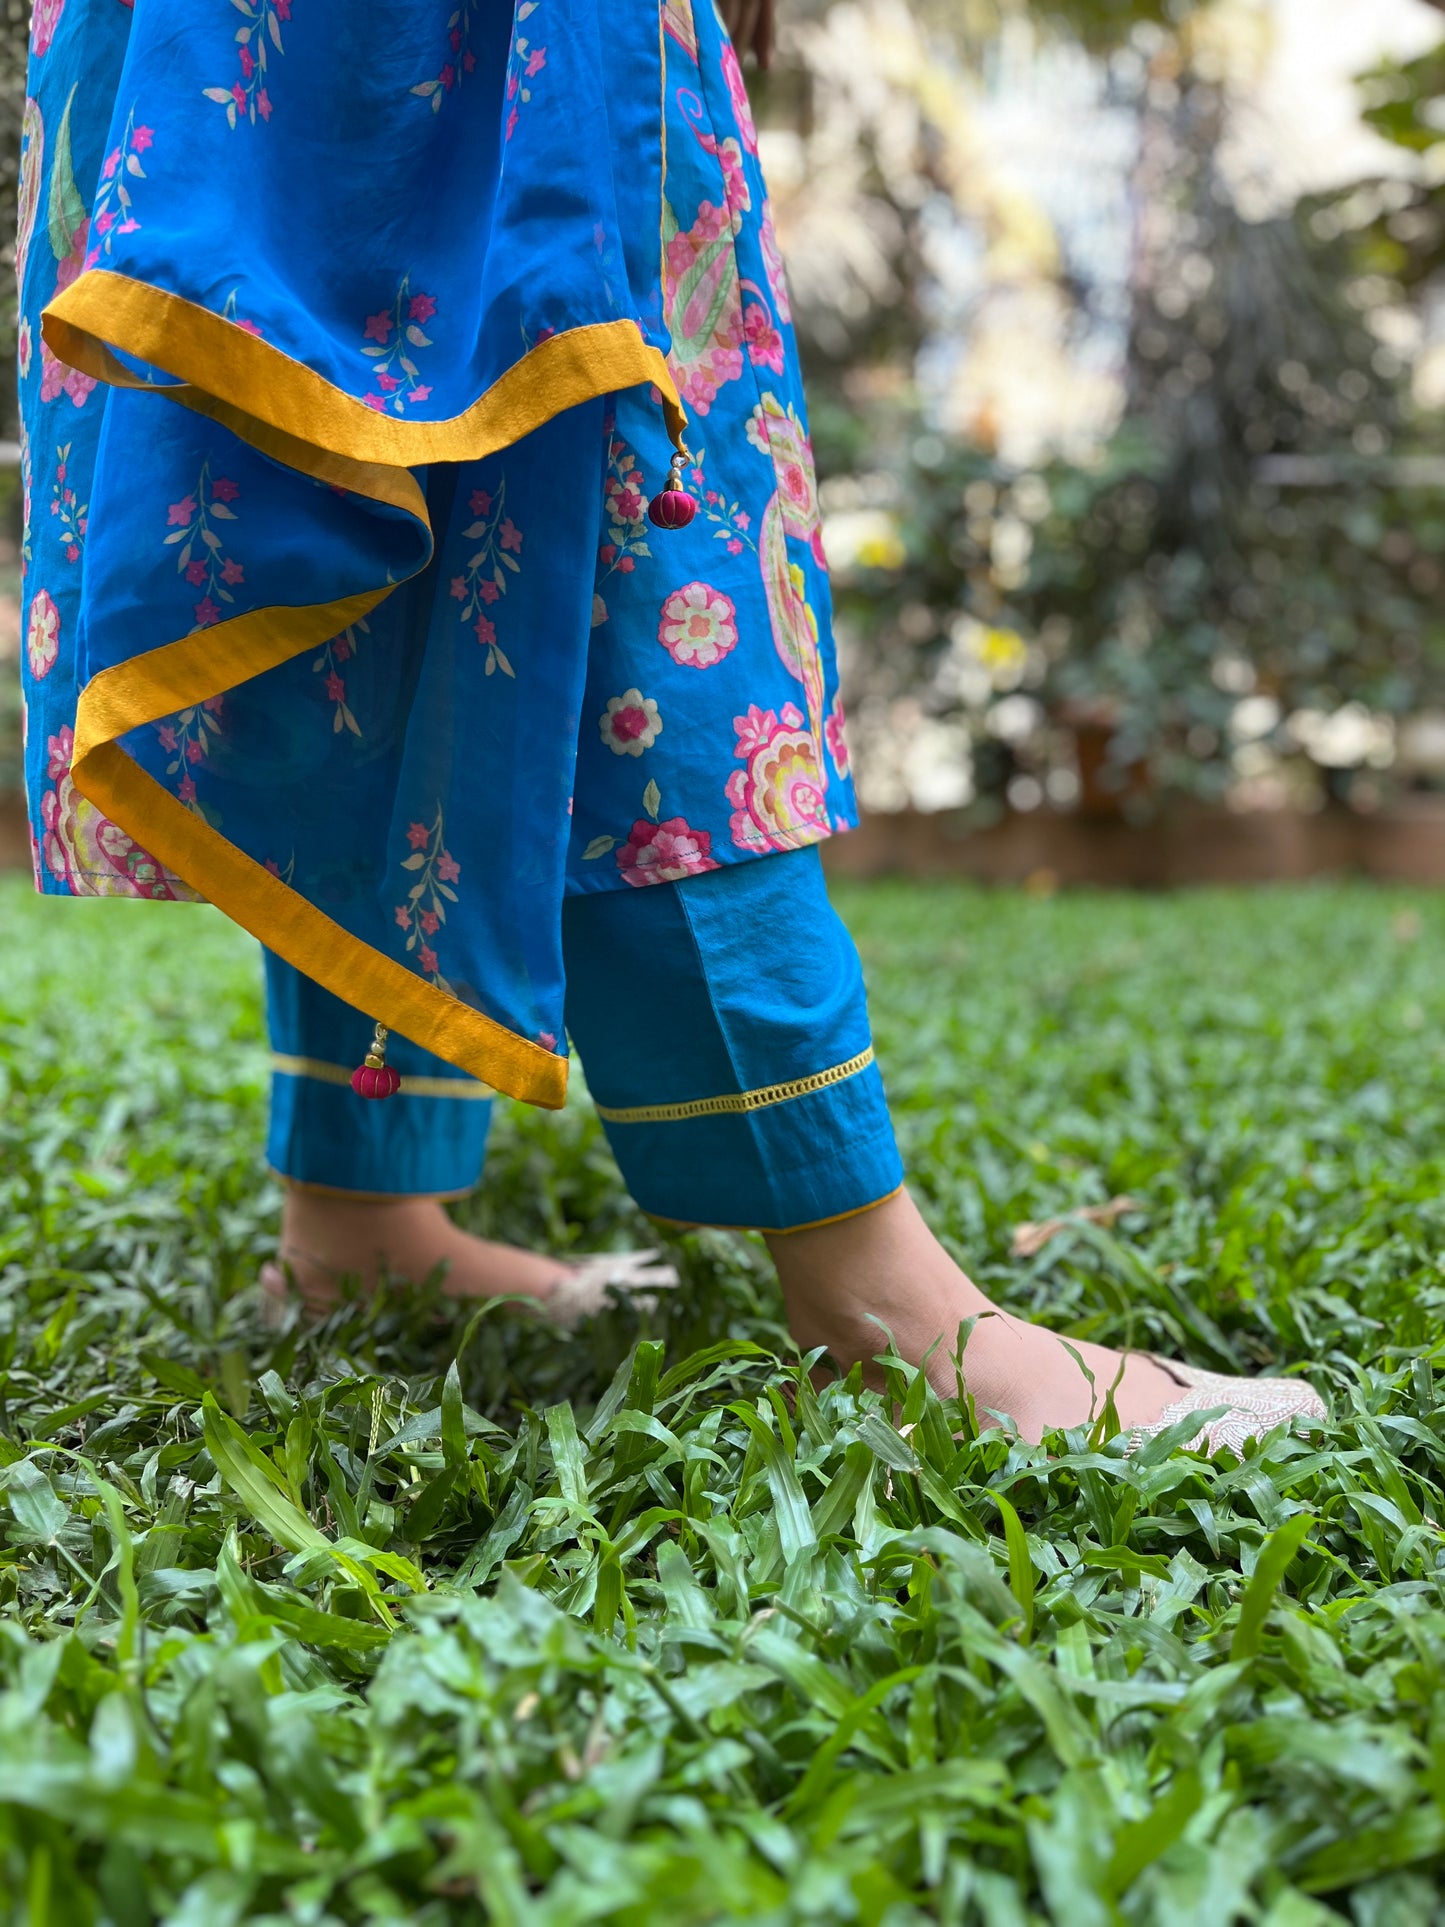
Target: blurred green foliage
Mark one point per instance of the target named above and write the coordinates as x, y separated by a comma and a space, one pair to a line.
1254, 529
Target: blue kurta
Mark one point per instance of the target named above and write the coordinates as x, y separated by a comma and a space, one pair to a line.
368, 334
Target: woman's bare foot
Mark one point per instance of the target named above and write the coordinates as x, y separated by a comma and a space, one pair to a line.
326, 1237
842, 1283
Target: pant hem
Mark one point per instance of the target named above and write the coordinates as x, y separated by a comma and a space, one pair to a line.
368, 1197
773, 1231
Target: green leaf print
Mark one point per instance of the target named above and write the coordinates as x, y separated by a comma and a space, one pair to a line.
66, 212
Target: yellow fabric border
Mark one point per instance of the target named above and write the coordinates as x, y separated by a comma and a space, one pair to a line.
780, 1231
737, 1101
240, 379
289, 412
320, 1072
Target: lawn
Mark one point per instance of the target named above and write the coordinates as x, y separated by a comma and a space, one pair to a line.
410, 1621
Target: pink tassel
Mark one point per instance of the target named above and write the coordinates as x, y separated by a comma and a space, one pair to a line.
376, 1078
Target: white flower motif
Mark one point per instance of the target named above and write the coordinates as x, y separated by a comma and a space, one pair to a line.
42, 637
698, 626
630, 724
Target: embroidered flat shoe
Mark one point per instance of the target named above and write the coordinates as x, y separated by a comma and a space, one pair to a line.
1254, 1406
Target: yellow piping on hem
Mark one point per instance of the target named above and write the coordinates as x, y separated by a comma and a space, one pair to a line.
737, 1101
320, 1072
287, 411
236, 376
778, 1231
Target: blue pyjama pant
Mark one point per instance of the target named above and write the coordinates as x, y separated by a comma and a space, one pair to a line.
724, 1032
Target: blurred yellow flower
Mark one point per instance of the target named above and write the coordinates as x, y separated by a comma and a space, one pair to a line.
1003, 652
882, 550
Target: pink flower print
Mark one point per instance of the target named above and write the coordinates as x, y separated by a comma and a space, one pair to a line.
142, 138
430, 922
232, 572
510, 536
779, 797
486, 631
765, 344
112, 162
207, 613
248, 62
735, 182
837, 739
630, 723
459, 588
44, 21
703, 292
186, 789
56, 379
42, 635
390, 338
403, 917
179, 514
341, 648
427, 957
448, 869
734, 546
167, 738
481, 502
625, 503
488, 591
196, 573
335, 688
738, 96
24, 346
263, 104
665, 852
536, 61
547, 1038
416, 835
698, 626
625, 564
58, 752
195, 753
224, 489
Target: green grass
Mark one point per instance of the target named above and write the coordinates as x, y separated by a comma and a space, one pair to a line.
416, 1621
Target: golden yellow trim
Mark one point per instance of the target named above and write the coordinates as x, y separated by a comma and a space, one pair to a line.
250, 895
776, 1231
736, 1101
179, 674
365, 1197
291, 413
240, 379
320, 1072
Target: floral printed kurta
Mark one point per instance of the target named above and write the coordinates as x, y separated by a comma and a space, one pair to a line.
368, 336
